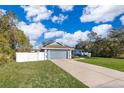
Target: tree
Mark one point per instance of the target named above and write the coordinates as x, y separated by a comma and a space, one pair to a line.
11, 38
110, 46
92, 38
22, 42
117, 41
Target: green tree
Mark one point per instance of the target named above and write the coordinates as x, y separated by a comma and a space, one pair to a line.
110, 46
12, 39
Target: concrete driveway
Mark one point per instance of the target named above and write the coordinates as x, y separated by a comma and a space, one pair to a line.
92, 75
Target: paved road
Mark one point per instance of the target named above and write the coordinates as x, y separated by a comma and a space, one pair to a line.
92, 75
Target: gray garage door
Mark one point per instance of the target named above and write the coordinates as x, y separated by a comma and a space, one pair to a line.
57, 54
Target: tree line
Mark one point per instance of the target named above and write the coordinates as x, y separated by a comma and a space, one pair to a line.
11, 38
110, 46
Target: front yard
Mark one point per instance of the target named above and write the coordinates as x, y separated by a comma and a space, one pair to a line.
36, 74
113, 63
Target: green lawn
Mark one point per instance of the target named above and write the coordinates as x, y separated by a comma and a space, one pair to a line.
37, 75
113, 63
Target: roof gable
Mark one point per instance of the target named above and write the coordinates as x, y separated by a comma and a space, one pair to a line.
55, 45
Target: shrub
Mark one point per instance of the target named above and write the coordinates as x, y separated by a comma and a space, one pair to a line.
6, 55
121, 56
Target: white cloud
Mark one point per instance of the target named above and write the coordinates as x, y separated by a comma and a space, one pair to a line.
66, 7
72, 39
68, 42
59, 19
101, 13
33, 31
33, 42
37, 13
122, 19
79, 35
2, 12
102, 30
53, 33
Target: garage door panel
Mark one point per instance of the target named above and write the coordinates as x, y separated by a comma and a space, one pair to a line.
57, 54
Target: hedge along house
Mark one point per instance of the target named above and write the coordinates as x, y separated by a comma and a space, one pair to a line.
57, 51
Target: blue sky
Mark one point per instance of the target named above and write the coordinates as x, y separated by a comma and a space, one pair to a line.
66, 24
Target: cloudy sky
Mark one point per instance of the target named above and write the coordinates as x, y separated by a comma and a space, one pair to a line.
66, 24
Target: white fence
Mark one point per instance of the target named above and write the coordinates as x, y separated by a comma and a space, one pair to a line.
25, 56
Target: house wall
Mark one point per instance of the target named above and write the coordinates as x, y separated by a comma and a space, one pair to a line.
57, 54
25, 56
69, 53
45, 54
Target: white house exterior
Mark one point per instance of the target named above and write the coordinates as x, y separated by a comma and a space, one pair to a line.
51, 51
57, 51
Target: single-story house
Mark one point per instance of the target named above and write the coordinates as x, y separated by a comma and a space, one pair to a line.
56, 50
51, 51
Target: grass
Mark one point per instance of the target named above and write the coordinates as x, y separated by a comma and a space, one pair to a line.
113, 63
37, 75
